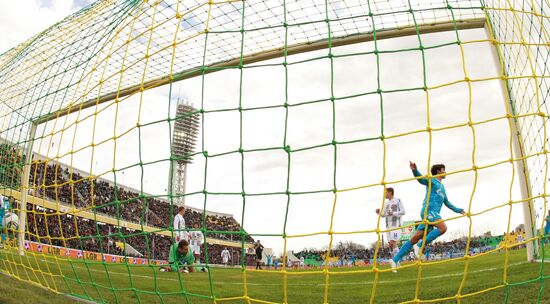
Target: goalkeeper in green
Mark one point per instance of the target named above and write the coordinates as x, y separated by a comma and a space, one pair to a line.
181, 257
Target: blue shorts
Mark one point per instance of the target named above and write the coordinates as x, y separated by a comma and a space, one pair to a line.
431, 217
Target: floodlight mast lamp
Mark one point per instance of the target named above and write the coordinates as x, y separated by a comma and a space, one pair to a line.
186, 128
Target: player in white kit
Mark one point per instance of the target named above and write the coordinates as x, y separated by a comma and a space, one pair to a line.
180, 233
392, 211
195, 243
225, 256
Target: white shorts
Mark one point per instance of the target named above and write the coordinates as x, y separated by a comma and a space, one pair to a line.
225, 260
196, 249
393, 235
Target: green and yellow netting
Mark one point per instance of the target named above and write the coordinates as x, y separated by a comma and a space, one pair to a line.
91, 102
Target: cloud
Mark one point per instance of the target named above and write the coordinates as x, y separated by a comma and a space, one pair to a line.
28, 18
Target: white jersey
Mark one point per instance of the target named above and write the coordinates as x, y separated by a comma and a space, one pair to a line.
397, 211
179, 226
225, 256
195, 241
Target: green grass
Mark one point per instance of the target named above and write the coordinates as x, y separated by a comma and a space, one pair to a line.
121, 283
545, 254
14, 291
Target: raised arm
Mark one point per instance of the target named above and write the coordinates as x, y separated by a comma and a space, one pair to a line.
417, 173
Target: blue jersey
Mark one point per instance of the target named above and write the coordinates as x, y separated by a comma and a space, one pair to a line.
547, 226
4, 206
437, 196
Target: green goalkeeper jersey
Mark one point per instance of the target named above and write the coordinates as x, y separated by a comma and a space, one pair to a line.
177, 259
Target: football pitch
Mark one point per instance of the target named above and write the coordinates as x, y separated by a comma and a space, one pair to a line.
121, 283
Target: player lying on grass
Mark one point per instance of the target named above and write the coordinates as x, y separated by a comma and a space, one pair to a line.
435, 193
181, 258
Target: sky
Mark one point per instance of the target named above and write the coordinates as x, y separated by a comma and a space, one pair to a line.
16, 25
358, 164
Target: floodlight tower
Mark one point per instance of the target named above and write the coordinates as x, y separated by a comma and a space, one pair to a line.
186, 128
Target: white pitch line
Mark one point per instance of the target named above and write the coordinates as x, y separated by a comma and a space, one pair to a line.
434, 277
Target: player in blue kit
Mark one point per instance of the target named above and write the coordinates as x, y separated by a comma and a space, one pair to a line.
435, 193
546, 228
4, 208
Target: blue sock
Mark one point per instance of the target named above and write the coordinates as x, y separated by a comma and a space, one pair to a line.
3, 237
404, 250
434, 234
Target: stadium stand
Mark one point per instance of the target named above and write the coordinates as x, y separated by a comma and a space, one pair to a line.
57, 183
68, 186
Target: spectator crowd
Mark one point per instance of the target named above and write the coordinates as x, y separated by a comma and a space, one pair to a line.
439, 250
65, 230
59, 184
56, 182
